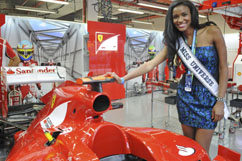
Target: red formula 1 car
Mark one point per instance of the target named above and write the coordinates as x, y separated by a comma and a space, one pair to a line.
71, 127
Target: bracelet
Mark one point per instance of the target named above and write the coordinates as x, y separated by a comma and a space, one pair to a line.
122, 80
220, 99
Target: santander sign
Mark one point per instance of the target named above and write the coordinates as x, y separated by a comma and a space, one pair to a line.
23, 75
30, 71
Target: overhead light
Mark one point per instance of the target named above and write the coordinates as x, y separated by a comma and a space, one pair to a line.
32, 9
129, 25
55, 1
113, 17
27, 17
228, 13
134, 9
130, 11
77, 20
202, 16
142, 22
147, 4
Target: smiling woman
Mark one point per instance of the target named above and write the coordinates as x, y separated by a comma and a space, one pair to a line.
198, 109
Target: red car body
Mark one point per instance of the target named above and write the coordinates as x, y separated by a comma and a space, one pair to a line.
73, 116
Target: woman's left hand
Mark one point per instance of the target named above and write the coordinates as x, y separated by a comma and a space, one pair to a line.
218, 111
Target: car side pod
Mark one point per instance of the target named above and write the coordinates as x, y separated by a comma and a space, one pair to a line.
225, 154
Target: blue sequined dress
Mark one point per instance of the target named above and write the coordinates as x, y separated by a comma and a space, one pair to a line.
195, 107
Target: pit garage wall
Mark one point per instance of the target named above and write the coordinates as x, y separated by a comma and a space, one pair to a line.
73, 55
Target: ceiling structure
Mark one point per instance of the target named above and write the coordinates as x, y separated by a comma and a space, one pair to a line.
49, 36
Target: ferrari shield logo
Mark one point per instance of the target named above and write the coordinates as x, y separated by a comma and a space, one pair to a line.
100, 38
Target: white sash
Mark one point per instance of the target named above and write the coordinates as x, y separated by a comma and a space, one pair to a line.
201, 73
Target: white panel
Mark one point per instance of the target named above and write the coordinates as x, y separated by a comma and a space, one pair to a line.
71, 44
238, 71
91, 13
232, 44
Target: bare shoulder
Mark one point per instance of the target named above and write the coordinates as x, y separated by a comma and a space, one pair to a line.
213, 30
208, 35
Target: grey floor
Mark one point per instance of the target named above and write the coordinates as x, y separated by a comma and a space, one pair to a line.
137, 112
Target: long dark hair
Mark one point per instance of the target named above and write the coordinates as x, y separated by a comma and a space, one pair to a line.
171, 33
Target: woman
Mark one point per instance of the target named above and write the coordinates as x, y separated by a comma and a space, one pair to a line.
198, 110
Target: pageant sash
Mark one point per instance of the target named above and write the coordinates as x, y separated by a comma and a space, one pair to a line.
201, 73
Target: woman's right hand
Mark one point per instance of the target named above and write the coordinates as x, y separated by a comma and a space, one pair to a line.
115, 76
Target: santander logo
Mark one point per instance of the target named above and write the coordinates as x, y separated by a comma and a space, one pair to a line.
10, 71
31, 70
185, 151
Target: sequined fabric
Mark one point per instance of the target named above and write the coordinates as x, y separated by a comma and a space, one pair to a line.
195, 107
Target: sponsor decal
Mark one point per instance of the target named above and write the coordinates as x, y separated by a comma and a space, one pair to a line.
185, 151
48, 123
20, 70
105, 41
55, 118
30, 71
53, 101
22, 75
